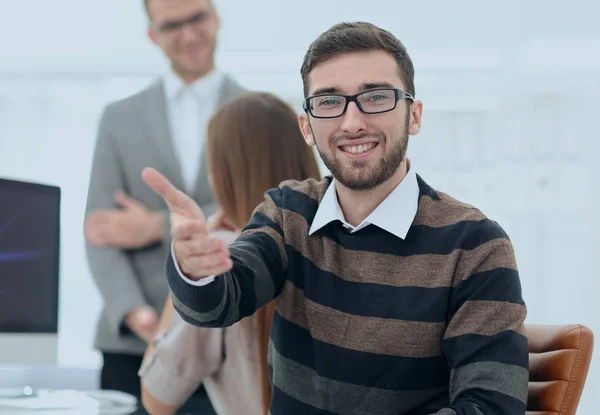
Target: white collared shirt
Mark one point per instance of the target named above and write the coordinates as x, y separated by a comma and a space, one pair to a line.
189, 108
395, 214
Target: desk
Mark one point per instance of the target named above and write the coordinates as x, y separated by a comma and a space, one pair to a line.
139, 411
79, 379
194, 406
65, 412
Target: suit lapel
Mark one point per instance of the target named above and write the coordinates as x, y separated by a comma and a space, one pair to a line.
229, 90
154, 112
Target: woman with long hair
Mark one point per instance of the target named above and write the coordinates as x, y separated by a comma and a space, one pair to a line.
253, 144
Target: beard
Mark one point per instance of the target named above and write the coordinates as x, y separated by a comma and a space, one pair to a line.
360, 175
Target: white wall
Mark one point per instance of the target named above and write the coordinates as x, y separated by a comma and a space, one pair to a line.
511, 92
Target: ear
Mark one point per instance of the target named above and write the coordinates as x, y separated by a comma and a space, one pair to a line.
153, 35
416, 115
217, 20
306, 129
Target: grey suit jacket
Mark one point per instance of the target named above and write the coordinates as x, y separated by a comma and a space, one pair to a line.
133, 134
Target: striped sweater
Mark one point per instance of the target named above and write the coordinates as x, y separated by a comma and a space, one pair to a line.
368, 323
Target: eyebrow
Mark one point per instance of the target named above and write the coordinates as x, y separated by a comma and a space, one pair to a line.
185, 19
361, 88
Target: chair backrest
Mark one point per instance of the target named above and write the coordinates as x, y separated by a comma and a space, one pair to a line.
559, 360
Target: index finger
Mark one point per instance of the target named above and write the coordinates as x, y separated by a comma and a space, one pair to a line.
160, 184
175, 199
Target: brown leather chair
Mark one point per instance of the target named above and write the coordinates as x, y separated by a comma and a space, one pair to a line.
559, 360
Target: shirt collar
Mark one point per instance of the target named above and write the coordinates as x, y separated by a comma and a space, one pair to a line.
395, 214
207, 86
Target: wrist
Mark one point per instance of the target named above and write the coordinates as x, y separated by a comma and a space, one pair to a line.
157, 224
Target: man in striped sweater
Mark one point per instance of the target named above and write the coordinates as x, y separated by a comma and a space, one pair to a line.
393, 298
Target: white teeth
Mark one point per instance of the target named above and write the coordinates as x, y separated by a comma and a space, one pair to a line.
361, 148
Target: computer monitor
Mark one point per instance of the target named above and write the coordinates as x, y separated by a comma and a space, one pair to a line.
29, 272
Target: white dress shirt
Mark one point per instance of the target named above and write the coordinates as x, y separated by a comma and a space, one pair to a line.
395, 214
189, 108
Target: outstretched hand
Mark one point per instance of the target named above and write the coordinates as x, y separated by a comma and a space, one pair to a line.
198, 254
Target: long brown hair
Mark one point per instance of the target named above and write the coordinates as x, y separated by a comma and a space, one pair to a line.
253, 144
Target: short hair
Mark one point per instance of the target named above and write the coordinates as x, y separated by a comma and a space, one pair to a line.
358, 37
254, 143
146, 8
148, 11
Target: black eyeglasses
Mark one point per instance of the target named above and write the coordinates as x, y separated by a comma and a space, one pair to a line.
374, 101
172, 27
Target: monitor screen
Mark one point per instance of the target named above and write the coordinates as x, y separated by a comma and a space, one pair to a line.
29, 257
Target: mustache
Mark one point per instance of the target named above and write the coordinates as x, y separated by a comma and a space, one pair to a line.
347, 137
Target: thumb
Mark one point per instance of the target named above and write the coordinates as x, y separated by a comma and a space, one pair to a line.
125, 201
177, 201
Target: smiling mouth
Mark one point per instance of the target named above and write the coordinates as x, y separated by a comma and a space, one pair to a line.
358, 149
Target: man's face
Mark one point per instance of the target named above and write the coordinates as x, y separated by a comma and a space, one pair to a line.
362, 151
186, 30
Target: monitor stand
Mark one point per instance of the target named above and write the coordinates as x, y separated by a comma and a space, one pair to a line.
28, 349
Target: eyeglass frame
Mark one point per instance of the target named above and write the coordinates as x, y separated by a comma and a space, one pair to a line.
176, 26
398, 93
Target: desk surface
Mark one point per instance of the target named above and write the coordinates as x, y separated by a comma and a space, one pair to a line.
194, 406
138, 411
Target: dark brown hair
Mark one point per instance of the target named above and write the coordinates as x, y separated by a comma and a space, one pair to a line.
358, 37
148, 10
253, 144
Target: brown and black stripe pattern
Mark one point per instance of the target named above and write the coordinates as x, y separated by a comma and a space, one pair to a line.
368, 323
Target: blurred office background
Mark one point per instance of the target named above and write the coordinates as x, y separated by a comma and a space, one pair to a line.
511, 92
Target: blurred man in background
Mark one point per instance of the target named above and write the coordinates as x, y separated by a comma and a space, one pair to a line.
126, 223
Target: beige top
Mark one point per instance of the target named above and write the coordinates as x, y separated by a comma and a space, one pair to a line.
226, 360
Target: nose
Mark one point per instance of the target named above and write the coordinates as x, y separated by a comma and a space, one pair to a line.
353, 121
189, 32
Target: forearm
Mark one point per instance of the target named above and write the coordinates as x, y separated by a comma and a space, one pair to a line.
164, 390
154, 405
489, 374
483, 388
484, 343
259, 262
165, 385
254, 280
176, 363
